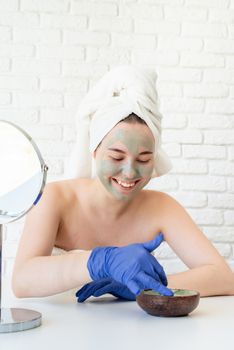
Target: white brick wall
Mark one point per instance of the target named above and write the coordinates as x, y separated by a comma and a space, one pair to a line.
51, 51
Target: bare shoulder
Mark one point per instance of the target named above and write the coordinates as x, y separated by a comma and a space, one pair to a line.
173, 218
171, 209
167, 211
161, 201
57, 189
55, 199
162, 196
59, 193
43, 221
182, 234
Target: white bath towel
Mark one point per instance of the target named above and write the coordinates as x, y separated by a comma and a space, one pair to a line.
122, 91
61, 251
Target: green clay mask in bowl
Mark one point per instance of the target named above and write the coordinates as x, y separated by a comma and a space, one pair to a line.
181, 303
177, 292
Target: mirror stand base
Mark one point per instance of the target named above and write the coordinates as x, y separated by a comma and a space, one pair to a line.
16, 320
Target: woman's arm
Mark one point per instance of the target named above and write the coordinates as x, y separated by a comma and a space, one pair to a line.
48, 275
208, 272
36, 273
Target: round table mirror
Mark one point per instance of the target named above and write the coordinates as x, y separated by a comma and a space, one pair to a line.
22, 172
22, 179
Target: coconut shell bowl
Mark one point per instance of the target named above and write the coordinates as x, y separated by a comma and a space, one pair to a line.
181, 303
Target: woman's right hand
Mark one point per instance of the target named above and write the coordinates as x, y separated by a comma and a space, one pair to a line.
132, 265
104, 286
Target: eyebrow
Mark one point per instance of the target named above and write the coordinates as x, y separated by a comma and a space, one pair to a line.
120, 151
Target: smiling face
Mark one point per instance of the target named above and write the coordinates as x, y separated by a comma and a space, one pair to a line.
125, 159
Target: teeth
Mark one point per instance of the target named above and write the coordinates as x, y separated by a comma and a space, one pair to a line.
124, 184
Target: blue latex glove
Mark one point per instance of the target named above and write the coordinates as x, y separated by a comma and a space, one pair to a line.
131, 265
104, 286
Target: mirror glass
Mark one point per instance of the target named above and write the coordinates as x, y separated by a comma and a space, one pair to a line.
22, 172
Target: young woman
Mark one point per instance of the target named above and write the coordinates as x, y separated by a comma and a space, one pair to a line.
115, 224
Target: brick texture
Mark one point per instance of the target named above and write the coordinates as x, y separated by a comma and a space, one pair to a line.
52, 51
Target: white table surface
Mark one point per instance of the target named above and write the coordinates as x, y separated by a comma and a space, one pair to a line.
106, 323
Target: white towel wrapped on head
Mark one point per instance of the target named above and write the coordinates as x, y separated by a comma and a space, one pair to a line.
121, 91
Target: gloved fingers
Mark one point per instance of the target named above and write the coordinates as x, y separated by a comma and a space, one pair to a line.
117, 289
88, 292
120, 294
102, 291
162, 279
150, 283
155, 270
134, 287
158, 269
82, 289
125, 296
82, 297
89, 288
154, 243
123, 292
85, 293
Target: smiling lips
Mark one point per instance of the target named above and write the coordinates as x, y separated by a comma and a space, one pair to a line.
126, 184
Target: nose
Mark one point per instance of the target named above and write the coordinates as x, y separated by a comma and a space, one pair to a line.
129, 170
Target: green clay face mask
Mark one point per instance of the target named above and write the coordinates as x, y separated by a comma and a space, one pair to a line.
125, 160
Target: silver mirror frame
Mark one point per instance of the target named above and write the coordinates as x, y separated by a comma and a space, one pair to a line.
44, 169
15, 319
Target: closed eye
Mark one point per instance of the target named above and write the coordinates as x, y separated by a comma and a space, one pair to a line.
144, 161
119, 159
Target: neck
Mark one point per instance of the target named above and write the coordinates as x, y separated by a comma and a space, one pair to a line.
105, 204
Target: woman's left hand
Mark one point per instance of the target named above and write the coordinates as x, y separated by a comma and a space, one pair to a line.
104, 286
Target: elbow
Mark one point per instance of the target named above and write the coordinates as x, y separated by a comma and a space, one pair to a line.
18, 287
17, 291
227, 280
18, 294
230, 283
